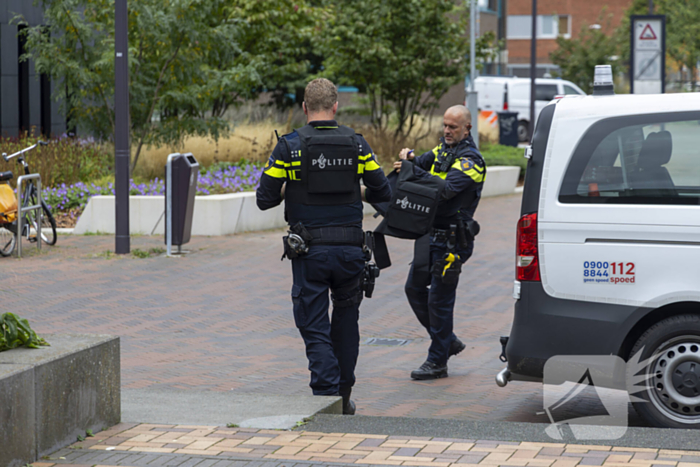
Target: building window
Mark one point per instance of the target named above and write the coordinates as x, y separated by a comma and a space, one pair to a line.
23, 80
548, 26
45, 98
518, 27
564, 26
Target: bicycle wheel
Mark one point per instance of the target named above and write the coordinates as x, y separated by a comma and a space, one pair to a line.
48, 223
7, 240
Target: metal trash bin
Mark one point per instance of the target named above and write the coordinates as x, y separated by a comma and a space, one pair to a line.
508, 128
181, 172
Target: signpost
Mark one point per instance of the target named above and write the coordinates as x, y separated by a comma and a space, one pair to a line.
121, 122
472, 95
648, 57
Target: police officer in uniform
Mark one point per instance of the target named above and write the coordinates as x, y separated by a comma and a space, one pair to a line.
459, 163
316, 170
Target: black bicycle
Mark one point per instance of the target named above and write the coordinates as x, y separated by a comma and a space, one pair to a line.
30, 197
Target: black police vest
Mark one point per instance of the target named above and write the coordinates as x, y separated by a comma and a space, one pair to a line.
329, 159
413, 204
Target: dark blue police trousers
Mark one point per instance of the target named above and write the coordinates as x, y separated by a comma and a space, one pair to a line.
332, 345
433, 302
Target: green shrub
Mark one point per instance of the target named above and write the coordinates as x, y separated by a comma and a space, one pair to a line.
496, 154
16, 332
63, 160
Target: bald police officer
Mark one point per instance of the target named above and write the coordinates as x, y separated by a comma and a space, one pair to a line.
317, 170
459, 163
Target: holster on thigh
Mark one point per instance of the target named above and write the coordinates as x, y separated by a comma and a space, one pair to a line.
448, 268
348, 295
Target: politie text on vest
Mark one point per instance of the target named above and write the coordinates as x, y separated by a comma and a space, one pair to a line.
406, 204
322, 162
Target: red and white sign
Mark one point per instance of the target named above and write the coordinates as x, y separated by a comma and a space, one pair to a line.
647, 33
647, 56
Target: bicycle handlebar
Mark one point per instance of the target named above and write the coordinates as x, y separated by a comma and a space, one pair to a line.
22, 151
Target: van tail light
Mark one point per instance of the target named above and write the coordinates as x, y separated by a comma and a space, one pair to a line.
505, 97
527, 267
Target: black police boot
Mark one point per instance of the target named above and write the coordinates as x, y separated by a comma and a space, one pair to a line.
348, 405
456, 347
430, 370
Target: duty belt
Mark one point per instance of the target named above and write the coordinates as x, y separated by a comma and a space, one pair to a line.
353, 236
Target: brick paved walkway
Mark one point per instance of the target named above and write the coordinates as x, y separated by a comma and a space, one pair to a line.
206, 446
220, 319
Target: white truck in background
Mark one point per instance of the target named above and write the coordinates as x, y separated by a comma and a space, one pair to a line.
510, 93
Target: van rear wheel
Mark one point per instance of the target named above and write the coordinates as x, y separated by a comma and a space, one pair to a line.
523, 131
670, 395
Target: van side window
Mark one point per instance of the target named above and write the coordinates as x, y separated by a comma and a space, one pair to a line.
570, 90
647, 163
545, 92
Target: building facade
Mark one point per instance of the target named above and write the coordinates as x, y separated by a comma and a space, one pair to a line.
25, 96
554, 18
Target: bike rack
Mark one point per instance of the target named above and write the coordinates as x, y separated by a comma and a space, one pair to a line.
21, 210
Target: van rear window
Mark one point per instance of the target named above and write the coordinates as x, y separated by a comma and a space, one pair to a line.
648, 159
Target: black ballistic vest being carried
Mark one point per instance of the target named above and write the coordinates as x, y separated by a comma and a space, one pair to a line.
328, 165
413, 204
410, 213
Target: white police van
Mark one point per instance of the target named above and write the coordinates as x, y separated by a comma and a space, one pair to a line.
608, 249
499, 93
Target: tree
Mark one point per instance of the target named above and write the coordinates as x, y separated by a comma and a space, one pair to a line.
190, 61
578, 57
276, 36
404, 54
682, 33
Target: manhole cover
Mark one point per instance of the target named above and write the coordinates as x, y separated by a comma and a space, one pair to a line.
384, 341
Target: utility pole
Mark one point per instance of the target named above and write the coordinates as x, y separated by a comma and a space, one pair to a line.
533, 68
472, 98
122, 154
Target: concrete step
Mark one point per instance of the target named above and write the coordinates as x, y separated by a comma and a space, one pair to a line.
187, 407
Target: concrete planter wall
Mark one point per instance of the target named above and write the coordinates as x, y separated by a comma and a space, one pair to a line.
500, 180
49, 396
228, 214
